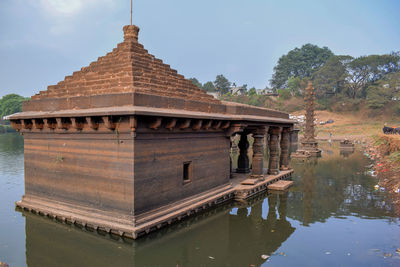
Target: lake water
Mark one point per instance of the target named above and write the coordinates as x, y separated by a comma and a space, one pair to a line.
332, 216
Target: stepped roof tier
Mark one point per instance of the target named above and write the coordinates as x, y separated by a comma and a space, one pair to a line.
129, 80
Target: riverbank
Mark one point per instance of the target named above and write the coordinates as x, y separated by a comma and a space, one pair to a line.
355, 126
385, 150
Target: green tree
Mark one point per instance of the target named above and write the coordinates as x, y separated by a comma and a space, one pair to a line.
196, 82
209, 87
383, 91
222, 84
252, 91
10, 104
366, 69
284, 94
296, 85
299, 62
330, 78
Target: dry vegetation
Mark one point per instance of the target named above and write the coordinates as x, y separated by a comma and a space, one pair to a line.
387, 166
353, 126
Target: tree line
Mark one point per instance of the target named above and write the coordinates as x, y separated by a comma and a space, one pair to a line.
372, 78
9, 104
221, 84
338, 79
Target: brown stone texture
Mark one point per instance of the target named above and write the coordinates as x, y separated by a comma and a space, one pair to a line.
258, 159
127, 145
159, 159
309, 143
243, 160
130, 76
285, 145
128, 68
61, 168
309, 133
273, 167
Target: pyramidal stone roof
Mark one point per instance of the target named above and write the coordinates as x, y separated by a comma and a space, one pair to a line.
129, 68
130, 77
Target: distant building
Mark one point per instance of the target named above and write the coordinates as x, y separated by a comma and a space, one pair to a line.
237, 90
260, 91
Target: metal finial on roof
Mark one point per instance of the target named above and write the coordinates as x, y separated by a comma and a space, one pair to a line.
131, 10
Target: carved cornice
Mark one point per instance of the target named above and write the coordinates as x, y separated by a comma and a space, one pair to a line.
130, 123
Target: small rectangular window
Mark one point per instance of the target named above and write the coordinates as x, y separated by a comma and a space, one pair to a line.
187, 171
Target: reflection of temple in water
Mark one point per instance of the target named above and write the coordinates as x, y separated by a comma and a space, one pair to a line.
231, 239
262, 235
346, 152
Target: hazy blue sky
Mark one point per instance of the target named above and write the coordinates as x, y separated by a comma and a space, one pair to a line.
41, 41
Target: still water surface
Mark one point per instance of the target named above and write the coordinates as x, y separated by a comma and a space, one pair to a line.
332, 216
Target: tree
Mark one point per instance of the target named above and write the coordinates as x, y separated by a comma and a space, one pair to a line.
296, 85
383, 91
367, 69
222, 84
10, 104
196, 82
252, 91
284, 94
209, 87
330, 78
299, 62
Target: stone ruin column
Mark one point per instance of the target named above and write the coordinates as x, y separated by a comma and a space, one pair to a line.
232, 150
310, 144
273, 166
243, 160
258, 154
285, 145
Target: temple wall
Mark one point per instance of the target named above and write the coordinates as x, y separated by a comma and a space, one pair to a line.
159, 159
89, 169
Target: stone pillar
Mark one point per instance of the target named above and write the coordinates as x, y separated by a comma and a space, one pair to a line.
258, 154
243, 160
294, 136
273, 166
232, 139
294, 145
285, 145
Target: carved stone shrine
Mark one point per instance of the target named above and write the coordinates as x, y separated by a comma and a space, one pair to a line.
127, 145
309, 143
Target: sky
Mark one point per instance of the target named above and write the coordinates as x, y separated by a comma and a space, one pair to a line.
42, 41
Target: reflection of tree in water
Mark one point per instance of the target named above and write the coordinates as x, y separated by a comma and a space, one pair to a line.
229, 239
335, 186
11, 143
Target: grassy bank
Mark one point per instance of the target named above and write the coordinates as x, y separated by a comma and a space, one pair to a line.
350, 125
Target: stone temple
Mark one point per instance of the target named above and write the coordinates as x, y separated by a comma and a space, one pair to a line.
127, 145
